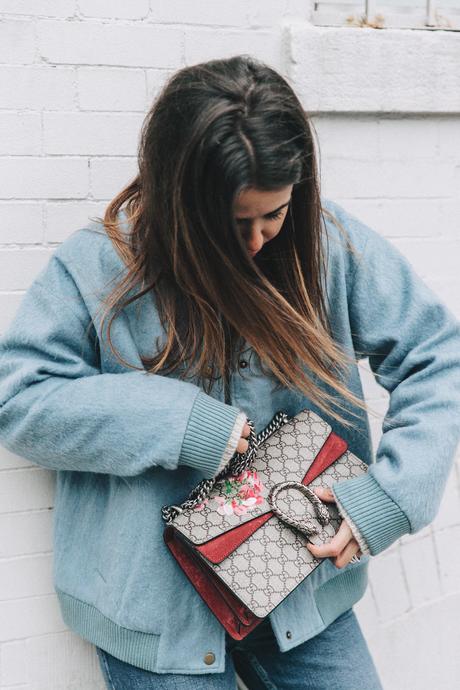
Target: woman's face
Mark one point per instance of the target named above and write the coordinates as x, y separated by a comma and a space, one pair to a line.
259, 214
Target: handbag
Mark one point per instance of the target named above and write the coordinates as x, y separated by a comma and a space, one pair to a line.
241, 536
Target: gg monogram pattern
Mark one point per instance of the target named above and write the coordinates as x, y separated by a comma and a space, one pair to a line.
270, 563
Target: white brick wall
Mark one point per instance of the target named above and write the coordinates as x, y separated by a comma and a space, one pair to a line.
76, 79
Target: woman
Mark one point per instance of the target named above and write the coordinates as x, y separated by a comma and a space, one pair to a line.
221, 286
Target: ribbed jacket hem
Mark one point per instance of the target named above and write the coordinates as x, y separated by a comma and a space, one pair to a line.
209, 428
140, 649
379, 519
135, 647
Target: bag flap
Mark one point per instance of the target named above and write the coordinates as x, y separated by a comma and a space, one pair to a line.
299, 451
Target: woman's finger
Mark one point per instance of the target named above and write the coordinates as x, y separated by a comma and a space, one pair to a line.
246, 430
325, 494
242, 446
337, 544
351, 549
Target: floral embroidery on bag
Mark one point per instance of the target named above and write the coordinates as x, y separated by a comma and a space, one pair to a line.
241, 493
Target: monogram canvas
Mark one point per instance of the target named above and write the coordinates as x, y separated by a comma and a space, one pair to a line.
253, 551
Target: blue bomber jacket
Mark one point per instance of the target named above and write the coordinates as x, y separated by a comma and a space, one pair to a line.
124, 442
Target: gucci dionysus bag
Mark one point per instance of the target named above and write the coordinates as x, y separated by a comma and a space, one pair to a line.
241, 537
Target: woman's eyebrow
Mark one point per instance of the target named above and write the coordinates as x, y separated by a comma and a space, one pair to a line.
270, 213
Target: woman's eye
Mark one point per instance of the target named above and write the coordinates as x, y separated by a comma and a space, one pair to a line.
275, 216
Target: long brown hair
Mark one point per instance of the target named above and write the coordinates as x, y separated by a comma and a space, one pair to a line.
215, 129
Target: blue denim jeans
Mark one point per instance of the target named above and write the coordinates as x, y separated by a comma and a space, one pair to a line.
336, 659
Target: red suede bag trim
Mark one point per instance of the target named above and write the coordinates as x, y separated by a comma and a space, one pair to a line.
333, 448
214, 593
218, 548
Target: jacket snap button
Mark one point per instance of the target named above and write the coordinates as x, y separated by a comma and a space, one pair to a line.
288, 634
209, 658
243, 363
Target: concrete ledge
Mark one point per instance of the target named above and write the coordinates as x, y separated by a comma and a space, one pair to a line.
370, 70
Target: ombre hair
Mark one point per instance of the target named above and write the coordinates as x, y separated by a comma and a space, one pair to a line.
215, 129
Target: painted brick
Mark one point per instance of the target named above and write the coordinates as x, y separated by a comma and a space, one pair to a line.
419, 650
24, 618
95, 43
50, 8
447, 541
448, 290
37, 87
410, 538
91, 133
101, 88
9, 461
61, 219
28, 489
387, 179
366, 612
17, 42
391, 600
115, 9
449, 214
208, 44
449, 139
20, 133
9, 303
399, 217
41, 178
271, 13
449, 510
419, 563
26, 533
431, 257
26, 576
156, 79
408, 138
19, 267
204, 12
13, 668
21, 222
110, 175
362, 70
355, 138
68, 655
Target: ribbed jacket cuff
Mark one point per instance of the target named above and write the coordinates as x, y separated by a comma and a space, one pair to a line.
354, 530
210, 425
232, 442
378, 518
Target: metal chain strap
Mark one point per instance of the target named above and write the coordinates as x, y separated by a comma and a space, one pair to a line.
238, 463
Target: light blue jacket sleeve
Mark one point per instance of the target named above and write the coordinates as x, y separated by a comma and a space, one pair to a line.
413, 344
59, 411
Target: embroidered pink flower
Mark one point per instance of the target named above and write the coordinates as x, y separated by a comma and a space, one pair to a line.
200, 506
241, 494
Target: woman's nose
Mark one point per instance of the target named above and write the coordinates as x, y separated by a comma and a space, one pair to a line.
255, 239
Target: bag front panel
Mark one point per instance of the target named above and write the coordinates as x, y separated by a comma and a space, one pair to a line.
269, 563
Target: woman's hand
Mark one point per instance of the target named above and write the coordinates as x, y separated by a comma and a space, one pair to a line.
243, 445
343, 546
